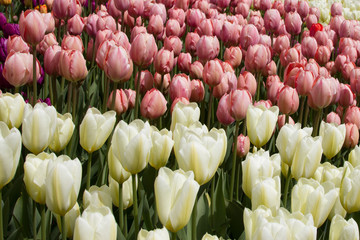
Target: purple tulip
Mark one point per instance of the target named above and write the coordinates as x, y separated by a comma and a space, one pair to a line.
3, 82
3, 49
41, 79
11, 29
3, 20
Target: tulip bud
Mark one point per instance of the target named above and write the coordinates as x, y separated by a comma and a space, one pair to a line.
171, 201
243, 146
333, 138
180, 86
95, 223
63, 178
153, 105
63, 132
32, 26
266, 192
162, 145
207, 48
118, 64
288, 100
9, 102
154, 234
121, 101
352, 135
70, 218
98, 197
72, 65
95, 128
140, 57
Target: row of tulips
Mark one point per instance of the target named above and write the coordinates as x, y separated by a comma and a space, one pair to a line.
244, 62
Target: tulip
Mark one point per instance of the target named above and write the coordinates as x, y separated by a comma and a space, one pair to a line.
352, 135
146, 81
266, 192
153, 105
127, 192
143, 50
154, 234
162, 145
10, 143
184, 62
272, 20
118, 64
121, 101
309, 196
196, 70
9, 102
17, 44
288, 100
239, 103
213, 72
96, 223
288, 139
342, 229
197, 91
70, 218
223, 110
308, 47
293, 23
75, 25
352, 115
180, 86
72, 65
70, 42
173, 43
281, 43
62, 183
243, 146
63, 132
185, 114
175, 194
51, 58
260, 123
349, 189
257, 166
257, 57
48, 41
156, 25
321, 95
38, 127
333, 138
164, 61
95, 128
207, 48
322, 55
193, 152
116, 170
191, 40
97, 196
307, 157
249, 36
32, 26
233, 55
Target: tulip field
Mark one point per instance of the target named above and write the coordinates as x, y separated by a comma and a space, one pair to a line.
179, 119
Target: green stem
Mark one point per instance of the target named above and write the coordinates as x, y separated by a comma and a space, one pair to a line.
135, 206
137, 94
234, 161
17, 89
317, 122
43, 222
238, 173
63, 228
303, 98
121, 210
193, 223
173, 235
74, 105
210, 107
107, 87
34, 220
258, 86
34, 77
287, 183
93, 53
286, 119
306, 115
53, 82
114, 96
51, 90
88, 171
69, 97
212, 205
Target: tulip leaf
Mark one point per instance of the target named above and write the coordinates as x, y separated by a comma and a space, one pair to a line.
120, 235
220, 221
235, 213
202, 216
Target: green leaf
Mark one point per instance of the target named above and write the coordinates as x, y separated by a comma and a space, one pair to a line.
235, 213
220, 221
202, 216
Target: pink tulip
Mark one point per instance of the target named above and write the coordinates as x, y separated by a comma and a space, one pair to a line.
183, 4
240, 101
106, 22
72, 65
177, 14
320, 96
288, 100
257, 21
194, 17
213, 72
233, 56
153, 105
333, 117
75, 25
32, 26
243, 146
172, 28
64, 9
322, 55
352, 135
293, 23
347, 97
304, 82
247, 81
249, 36
162, 81
355, 80
196, 70
281, 121
303, 9
180, 86
272, 20
335, 23
121, 101
164, 61
257, 57
71, 42
223, 110
273, 86
90, 26
346, 70
228, 83
146, 81
243, 9
184, 62
290, 55
143, 50
346, 29
18, 68
291, 72
158, 9
205, 27
122, 5
207, 48
191, 40
49, 22
131, 95
118, 64
51, 60
230, 33
174, 44
156, 25
17, 44
197, 91
136, 8
281, 43
265, 103
181, 99
290, 5
102, 52
48, 41
309, 47
352, 115
113, 10
279, 5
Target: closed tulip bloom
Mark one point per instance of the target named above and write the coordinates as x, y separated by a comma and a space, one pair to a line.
97, 196
143, 49
230, 33
248, 82
266, 192
32, 26
288, 100
213, 72
207, 48
95, 223
156, 25
342, 229
153, 105
95, 129
180, 86
63, 132
116, 170
184, 62
70, 42
321, 94
72, 65
272, 20
10, 143
354, 156
257, 57
186, 114
162, 145
223, 110
293, 23
257, 166
352, 135
197, 91
193, 152
48, 41
70, 218
38, 127
349, 189
249, 36
281, 43
173, 43
352, 115
118, 64
322, 55
63, 179
154, 234
307, 157
333, 138
243, 145
304, 82
308, 47
121, 101
309, 196
75, 25
164, 61
260, 123
196, 70
347, 97
355, 80
64, 9
127, 192
288, 139
12, 109
209, 237
240, 101
233, 55
51, 58
17, 44
175, 194
35, 168
191, 40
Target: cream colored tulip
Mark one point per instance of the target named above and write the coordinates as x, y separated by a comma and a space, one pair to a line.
354, 156
12, 109
35, 168
116, 170
63, 132
162, 145
175, 194
156, 234
287, 140
333, 138
257, 166
340, 229
309, 196
127, 193
199, 151
266, 192
131, 144
95, 129
260, 123
210, 237
96, 223
38, 127
307, 157
185, 114
350, 188
63, 179
10, 150
70, 218
97, 196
